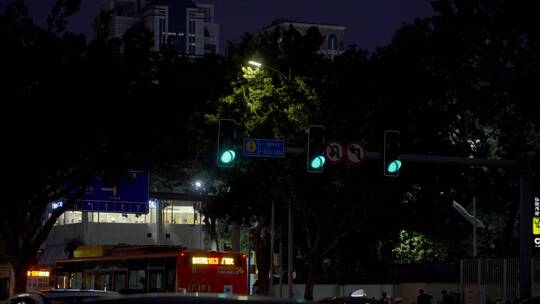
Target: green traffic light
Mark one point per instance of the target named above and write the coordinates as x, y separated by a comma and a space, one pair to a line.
227, 156
394, 166
317, 162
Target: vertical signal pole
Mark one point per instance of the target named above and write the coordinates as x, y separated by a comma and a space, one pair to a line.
271, 272
290, 252
525, 232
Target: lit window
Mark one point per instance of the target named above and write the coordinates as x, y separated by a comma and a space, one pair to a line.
179, 213
137, 279
72, 217
124, 218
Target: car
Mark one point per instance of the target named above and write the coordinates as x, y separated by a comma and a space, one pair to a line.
532, 300
195, 298
59, 296
349, 300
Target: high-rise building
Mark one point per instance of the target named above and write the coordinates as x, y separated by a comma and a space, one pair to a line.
333, 34
189, 26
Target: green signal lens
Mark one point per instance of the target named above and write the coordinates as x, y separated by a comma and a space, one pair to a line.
228, 156
317, 162
394, 166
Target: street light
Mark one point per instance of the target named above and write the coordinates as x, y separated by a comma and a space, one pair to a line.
257, 64
471, 218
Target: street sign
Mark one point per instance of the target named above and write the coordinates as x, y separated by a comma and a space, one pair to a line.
130, 195
536, 225
333, 150
356, 152
256, 147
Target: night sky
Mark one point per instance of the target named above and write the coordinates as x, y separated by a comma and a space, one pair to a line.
370, 23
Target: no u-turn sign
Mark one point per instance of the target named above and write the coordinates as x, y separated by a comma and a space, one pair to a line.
333, 151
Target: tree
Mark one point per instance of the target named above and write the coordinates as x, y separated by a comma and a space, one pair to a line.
76, 113
263, 108
459, 81
268, 105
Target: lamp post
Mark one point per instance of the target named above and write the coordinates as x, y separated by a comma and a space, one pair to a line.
472, 219
290, 220
257, 64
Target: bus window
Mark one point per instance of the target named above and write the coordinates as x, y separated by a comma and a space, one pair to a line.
156, 281
75, 280
137, 279
61, 281
89, 280
119, 281
171, 274
104, 281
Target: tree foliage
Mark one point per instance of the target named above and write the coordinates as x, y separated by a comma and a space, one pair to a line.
460, 83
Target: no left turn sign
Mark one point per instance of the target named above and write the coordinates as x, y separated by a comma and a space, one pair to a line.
356, 152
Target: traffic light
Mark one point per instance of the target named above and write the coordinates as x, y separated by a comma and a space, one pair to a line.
315, 150
226, 154
391, 161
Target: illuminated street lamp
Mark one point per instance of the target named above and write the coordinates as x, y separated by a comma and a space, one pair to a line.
257, 64
318, 163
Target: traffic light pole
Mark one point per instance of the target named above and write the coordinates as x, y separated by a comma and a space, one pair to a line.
525, 202
525, 199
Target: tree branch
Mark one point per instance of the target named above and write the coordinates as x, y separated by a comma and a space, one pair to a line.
335, 241
43, 203
42, 235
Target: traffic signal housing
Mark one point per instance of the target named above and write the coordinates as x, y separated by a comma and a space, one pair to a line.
315, 149
226, 152
391, 161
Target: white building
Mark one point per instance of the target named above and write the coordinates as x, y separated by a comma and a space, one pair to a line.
333, 34
168, 222
190, 27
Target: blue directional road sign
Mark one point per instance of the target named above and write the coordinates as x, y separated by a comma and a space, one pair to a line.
129, 195
255, 147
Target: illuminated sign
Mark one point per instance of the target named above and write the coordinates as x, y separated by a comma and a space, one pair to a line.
211, 261
37, 273
56, 205
536, 225
199, 261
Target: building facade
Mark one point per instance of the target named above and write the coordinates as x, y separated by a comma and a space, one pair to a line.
333, 34
168, 222
189, 26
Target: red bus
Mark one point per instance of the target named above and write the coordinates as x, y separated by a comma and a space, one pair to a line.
203, 271
153, 269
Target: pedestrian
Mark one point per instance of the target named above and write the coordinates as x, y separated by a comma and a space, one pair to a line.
142, 284
384, 299
446, 298
423, 298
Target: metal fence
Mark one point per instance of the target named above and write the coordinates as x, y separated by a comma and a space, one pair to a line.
491, 280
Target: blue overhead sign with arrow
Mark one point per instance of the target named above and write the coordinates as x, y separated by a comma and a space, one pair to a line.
128, 195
